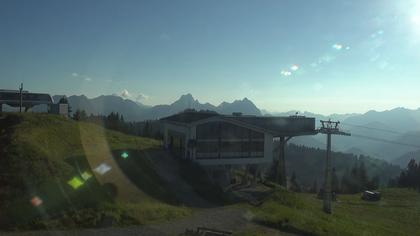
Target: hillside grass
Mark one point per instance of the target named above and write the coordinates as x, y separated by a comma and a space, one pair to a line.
398, 213
40, 153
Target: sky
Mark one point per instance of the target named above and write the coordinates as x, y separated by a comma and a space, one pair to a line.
322, 56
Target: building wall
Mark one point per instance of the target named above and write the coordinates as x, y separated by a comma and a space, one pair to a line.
223, 140
176, 132
222, 143
266, 158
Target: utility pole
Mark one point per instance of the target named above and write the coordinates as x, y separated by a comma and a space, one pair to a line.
329, 127
21, 97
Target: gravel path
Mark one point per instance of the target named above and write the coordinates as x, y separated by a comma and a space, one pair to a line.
227, 219
219, 218
222, 218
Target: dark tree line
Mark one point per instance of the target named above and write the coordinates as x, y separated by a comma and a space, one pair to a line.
409, 177
357, 180
80, 115
353, 181
115, 121
351, 173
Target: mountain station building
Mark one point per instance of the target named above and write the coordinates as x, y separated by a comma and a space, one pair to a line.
212, 139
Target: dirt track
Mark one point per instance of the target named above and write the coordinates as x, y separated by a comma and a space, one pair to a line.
223, 218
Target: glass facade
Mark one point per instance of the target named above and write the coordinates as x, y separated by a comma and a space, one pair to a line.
225, 140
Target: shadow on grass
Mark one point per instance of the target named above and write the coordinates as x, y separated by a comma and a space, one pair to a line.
138, 168
284, 226
54, 199
193, 174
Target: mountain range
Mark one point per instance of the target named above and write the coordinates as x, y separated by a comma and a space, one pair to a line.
135, 111
391, 135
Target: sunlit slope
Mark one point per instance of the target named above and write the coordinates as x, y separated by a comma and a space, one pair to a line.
397, 213
76, 165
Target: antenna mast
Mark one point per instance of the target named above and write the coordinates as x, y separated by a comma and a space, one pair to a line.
21, 97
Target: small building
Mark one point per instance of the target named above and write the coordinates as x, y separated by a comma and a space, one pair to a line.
210, 138
60, 109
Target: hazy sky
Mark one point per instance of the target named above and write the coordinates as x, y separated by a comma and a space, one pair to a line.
324, 56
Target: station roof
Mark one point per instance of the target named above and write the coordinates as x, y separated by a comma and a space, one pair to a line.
190, 116
276, 125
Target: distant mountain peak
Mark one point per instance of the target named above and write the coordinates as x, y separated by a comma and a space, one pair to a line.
187, 96
186, 100
223, 104
244, 106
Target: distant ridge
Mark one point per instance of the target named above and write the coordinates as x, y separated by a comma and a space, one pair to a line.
135, 111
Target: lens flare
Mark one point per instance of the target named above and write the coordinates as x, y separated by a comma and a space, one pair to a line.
75, 182
102, 169
36, 201
124, 155
286, 73
337, 46
294, 67
86, 175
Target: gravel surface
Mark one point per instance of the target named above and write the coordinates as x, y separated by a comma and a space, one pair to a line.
222, 218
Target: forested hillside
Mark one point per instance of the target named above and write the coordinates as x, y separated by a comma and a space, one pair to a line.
308, 164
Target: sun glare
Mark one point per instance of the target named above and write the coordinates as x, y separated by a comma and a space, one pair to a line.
415, 17
416, 20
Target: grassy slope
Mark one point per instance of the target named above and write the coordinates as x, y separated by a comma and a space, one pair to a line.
398, 213
40, 153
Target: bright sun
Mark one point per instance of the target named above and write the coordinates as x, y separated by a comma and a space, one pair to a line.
415, 16
416, 20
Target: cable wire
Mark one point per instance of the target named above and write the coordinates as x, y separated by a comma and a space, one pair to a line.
385, 140
383, 130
